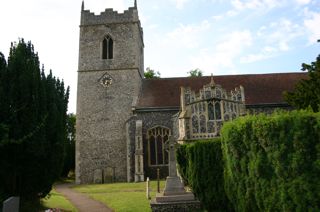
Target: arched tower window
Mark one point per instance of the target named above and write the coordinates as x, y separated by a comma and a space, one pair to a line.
157, 136
107, 48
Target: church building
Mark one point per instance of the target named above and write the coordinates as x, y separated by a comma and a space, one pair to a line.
124, 120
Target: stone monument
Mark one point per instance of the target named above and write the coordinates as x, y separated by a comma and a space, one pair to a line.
11, 205
174, 196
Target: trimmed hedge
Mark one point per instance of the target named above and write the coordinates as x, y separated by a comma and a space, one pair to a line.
200, 165
272, 163
182, 161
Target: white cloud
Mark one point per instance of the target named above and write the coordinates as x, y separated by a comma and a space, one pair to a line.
275, 38
180, 3
303, 2
217, 17
266, 53
188, 35
254, 58
225, 54
312, 25
232, 13
280, 35
256, 4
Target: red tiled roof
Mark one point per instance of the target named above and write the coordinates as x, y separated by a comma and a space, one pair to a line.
258, 88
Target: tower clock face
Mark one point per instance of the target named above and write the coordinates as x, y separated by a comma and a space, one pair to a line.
106, 81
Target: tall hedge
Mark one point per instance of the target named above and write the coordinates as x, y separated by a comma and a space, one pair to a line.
201, 166
272, 163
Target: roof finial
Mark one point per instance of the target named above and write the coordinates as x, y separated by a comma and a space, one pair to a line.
82, 5
135, 3
212, 83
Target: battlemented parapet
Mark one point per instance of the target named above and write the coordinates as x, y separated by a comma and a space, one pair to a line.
109, 16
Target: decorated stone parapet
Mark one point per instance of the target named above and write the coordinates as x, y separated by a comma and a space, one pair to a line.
203, 113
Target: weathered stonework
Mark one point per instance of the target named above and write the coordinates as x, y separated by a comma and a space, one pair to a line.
107, 88
191, 206
139, 170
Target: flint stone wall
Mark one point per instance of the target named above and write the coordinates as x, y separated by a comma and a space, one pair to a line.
101, 116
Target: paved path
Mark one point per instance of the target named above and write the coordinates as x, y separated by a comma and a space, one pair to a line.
81, 201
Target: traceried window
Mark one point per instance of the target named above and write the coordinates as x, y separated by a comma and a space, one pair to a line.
107, 48
210, 111
157, 154
214, 112
217, 110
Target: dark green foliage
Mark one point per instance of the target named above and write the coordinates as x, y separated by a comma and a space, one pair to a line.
69, 159
195, 73
272, 163
32, 125
182, 161
4, 105
150, 73
307, 91
201, 166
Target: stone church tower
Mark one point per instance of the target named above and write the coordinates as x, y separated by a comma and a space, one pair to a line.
110, 74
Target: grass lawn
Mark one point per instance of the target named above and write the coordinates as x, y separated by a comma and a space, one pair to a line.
56, 200
122, 197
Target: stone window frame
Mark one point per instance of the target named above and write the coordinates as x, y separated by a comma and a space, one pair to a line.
106, 49
202, 123
165, 132
216, 106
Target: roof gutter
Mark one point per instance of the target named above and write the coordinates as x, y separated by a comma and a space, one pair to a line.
176, 108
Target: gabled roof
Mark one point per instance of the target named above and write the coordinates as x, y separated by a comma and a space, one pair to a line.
258, 88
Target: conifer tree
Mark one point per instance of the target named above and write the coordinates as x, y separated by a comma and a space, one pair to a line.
32, 125
3, 89
69, 160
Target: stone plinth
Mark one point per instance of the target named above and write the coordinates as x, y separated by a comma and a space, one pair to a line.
11, 205
178, 206
183, 201
174, 186
188, 196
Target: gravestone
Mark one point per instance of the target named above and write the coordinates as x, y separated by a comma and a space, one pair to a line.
148, 188
97, 176
11, 204
108, 175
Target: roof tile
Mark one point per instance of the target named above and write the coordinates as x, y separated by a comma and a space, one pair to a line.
258, 88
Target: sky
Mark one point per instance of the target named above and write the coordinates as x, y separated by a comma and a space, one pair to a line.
220, 37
